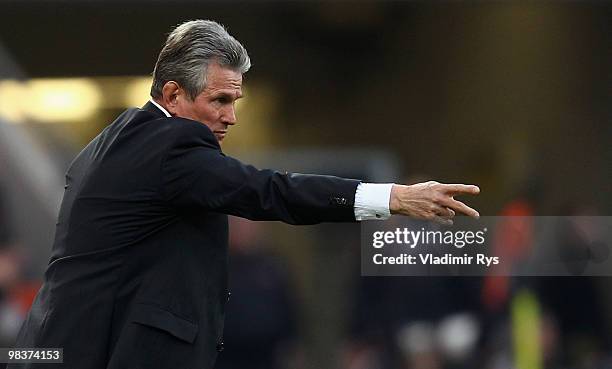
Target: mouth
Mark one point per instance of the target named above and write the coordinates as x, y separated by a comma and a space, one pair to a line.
220, 134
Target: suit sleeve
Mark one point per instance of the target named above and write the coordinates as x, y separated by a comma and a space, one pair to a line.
196, 174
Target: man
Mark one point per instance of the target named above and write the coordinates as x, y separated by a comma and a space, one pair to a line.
137, 276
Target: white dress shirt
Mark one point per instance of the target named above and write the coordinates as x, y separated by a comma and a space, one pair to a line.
371, 199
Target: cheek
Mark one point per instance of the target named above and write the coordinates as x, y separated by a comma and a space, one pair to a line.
208, 114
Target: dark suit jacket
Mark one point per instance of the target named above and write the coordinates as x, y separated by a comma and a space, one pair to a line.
138, 273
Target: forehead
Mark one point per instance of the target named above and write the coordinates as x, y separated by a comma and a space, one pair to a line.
219, 77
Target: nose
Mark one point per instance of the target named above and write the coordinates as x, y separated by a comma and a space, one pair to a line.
229, 117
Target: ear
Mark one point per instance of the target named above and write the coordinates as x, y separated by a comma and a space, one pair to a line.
170, 96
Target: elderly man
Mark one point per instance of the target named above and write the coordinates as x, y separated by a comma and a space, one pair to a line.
137, 277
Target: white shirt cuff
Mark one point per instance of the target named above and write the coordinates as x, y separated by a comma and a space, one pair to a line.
372, 201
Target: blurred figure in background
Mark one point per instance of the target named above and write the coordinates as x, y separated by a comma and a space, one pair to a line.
513, 241
10, 314
579, 301
260, 313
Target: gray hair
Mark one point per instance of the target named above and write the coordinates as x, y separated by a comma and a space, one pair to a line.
188, 51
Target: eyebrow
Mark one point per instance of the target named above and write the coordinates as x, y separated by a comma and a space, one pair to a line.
229, 95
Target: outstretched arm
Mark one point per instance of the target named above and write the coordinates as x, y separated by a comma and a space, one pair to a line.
197, 174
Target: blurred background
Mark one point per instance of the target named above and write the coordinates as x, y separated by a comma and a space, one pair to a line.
513, 96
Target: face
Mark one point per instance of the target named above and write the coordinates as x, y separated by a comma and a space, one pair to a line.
215, 106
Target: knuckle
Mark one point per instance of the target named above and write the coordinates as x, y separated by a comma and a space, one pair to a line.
438, 198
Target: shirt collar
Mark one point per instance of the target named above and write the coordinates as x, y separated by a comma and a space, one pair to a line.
161, 108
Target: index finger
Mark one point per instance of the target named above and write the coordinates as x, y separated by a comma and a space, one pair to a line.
459, 189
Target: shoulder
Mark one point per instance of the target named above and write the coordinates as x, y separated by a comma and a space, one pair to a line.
186, 132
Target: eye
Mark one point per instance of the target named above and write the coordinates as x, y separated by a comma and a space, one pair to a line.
222, 100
